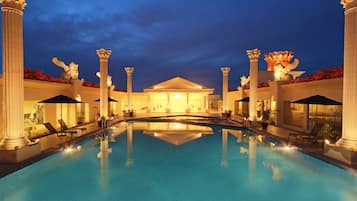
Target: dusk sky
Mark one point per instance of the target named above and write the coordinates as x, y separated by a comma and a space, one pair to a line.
189, 38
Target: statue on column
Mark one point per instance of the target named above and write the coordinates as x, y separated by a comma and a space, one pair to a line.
109, 81
282, 72
70, 70
244, 80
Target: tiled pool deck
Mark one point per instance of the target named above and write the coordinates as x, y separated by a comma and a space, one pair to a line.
54, 143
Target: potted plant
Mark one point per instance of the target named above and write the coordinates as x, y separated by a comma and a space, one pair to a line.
265, 119
131, 113
331, 132
227, 113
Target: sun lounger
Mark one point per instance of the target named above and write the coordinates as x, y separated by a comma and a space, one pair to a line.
65, 127
300, 138
52, 130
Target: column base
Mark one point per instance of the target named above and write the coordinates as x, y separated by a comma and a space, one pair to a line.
342, 154
13, 144
350, 144
19, 155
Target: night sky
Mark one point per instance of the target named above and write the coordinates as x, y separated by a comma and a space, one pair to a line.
189, 38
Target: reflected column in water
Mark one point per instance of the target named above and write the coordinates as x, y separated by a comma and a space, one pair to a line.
252, 158
103, 154
239, 136
129, 143
112, 135
224, 162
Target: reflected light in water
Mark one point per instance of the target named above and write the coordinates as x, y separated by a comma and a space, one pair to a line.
71, 149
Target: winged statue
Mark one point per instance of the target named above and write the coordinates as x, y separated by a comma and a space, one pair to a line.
70, 71
244, 80
109, 80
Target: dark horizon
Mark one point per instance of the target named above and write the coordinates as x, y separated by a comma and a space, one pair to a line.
165, 39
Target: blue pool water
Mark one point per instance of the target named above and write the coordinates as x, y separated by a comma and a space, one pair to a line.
222, 166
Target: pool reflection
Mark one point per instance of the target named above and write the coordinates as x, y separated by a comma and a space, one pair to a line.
224, 162
129, 141
104, 151
252, 157
174, 133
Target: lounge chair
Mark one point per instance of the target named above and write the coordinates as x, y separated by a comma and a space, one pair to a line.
52, 130
65, 127
300, 138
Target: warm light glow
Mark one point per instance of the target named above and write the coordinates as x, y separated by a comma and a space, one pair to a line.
327, 141
178, 125
68, 150
156, 87
260, 138
177, 95
277, 75
114, 127
272, 145
287, 148
199, 86
79, 147
78, 98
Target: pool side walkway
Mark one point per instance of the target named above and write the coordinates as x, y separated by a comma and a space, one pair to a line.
313, 149
49, 145
53, 143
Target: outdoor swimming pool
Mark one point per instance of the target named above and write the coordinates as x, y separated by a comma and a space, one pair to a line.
178, 162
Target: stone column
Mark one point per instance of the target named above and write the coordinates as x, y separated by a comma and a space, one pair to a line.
103, 58
187, 103
13, 74
168, 108
349, 124
206, 103
129, 85
253, 73
149, 104
279, 107
225, 73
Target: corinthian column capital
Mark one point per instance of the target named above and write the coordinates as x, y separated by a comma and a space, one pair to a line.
129, 70
104, 54
225, 70
253, 54
15, 4
348, 4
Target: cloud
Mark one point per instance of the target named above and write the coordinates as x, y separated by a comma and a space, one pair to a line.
163, 39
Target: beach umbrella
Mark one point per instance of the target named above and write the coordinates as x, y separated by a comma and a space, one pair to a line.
109, 100
317, 100
246, 99
60, 99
